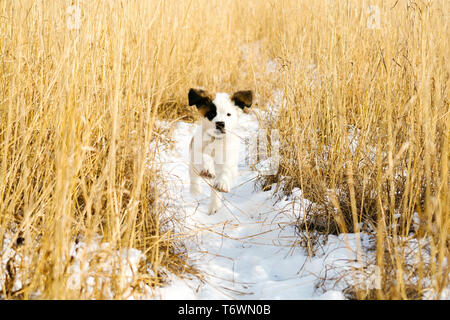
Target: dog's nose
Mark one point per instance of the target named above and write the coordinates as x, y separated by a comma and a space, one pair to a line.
220, 125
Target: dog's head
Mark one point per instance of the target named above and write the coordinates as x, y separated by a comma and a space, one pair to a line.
220, 113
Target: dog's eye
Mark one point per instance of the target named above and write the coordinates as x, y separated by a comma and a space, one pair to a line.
228, 114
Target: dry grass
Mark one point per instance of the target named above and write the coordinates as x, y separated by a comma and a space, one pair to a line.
78, 110
365, 128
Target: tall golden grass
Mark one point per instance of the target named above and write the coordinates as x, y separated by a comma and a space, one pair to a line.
365, 130
79, 99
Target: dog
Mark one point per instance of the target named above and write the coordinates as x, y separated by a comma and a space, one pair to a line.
214, 148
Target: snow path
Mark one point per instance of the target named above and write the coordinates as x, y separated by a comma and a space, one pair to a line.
245, 250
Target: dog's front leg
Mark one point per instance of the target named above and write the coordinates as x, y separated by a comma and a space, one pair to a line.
202, 162
207, 168
195, 185
225, 179
222, 183
199, 171
216, 201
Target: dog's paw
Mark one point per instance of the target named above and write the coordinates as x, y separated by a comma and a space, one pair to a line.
213, 209
195, 189
222, 184
207, 174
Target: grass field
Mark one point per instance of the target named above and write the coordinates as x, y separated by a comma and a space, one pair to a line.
364, 126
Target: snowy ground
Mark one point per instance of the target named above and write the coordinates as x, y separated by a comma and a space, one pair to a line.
246, 250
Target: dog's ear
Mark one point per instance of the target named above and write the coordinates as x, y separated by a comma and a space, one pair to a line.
243, 99
198, 97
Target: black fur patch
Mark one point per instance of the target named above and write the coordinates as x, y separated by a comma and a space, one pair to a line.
243, 99
198, 97
212, 111
202, 100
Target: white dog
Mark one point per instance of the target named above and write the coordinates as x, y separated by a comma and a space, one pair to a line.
214, 148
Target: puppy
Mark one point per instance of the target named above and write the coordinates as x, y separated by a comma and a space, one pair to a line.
214, 148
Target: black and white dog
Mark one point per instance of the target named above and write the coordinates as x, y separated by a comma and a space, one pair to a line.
214, 148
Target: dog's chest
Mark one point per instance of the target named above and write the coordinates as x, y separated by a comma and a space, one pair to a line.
224, 150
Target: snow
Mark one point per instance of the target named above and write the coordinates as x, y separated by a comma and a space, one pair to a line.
108, 263
247, 249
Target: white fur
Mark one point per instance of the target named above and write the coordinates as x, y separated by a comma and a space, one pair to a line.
216, 154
